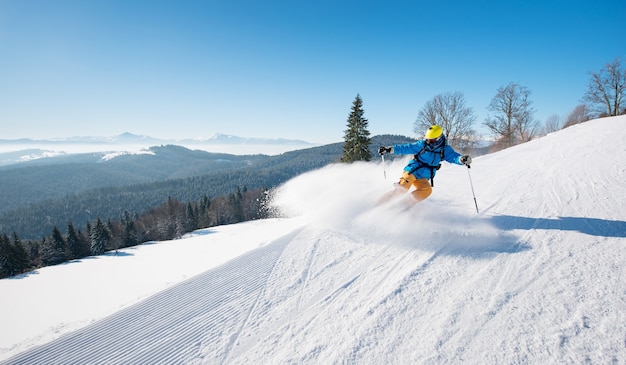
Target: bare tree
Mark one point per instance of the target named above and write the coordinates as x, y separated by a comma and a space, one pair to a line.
527, 126
552, 124
580, 114
513, 120
606, 89
449, 111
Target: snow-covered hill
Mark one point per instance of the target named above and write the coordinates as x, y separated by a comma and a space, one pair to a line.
537, 277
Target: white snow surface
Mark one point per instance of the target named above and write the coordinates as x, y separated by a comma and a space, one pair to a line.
536, 278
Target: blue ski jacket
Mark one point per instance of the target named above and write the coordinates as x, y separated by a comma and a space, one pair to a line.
427, 157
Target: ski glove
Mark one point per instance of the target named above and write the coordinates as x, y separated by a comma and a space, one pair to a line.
466, 160
382, 150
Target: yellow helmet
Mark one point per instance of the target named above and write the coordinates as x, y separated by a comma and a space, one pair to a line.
433, 132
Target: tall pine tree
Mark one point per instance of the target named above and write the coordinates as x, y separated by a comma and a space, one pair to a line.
356, 140
100, 237
13, 257
76, 245
130, 235
53, 248
22, 261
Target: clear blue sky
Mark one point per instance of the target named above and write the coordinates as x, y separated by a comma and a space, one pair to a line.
288, 69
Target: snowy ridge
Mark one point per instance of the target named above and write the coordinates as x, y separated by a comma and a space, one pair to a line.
112, 155
537, 277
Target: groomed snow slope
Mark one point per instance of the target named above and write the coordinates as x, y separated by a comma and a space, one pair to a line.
536, 278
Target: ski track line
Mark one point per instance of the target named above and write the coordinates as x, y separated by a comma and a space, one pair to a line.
263, 289
327, 301
189, 317
395, 267
333, 296
355, 274
410, 277
307, 273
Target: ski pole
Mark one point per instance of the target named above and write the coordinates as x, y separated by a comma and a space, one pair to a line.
472, 186
384, 170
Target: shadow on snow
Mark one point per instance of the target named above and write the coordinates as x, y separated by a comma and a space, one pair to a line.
590, 226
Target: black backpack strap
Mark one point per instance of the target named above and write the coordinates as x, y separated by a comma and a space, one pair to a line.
435, 168
421, 164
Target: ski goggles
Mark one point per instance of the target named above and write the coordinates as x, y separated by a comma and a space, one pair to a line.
433, 140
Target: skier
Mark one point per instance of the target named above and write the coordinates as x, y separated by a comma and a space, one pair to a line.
428, 154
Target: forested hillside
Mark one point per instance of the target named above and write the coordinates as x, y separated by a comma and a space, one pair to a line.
42, 194
56, 177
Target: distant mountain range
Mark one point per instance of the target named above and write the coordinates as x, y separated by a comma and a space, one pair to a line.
25, 149
134, 139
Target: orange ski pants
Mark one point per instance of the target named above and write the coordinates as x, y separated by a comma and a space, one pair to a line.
422, 186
